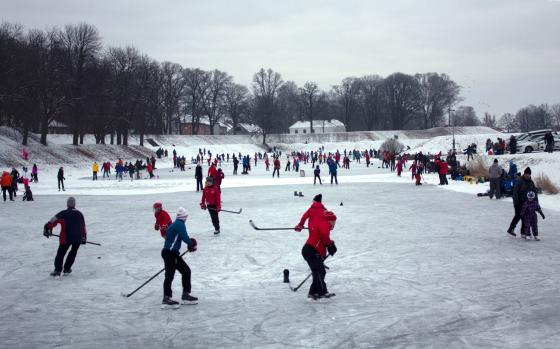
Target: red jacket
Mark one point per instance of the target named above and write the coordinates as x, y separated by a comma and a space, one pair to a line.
162, 222
314, 214
6, 179
212, 171
277, 164
443, 168
319, 237
211, 196
219, 176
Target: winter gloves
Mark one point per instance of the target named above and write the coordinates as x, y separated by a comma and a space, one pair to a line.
193, 245
202, 206
47, 230
298, 227
332, 249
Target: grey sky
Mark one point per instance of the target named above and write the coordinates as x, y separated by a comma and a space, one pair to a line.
505, 53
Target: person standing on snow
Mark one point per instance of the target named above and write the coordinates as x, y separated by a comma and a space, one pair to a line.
95, 169
313, 213
212, 171
211, 200
219, 177
61, 178
495, 173
72, 234
235, 164
177, 233
34, 173
332, 171
198, 177
6, 183
315, 250
276, 167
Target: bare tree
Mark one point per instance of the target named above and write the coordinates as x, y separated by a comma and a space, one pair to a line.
489, 120
172, 89
265, 91
465, 116
347, 95
534, 117
82, 44
214, 101
555, 114
236, 99
309, 93
371, 100
404, 99
196, 88
508, 122
438, 93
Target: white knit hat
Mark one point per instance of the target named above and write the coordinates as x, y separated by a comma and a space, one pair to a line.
182, 213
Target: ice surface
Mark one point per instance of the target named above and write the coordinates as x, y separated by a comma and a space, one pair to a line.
416, 267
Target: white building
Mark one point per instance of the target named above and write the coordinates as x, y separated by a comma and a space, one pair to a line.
319, 126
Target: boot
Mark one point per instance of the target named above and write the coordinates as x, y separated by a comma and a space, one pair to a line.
188, 299
168, 301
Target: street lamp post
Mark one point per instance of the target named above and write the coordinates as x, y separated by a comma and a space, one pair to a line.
453, 127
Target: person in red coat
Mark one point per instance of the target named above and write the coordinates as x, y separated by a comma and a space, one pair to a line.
276, 168
212, 171
163, 220
443, 170
211, 200
314, 214
315, 252
218, 179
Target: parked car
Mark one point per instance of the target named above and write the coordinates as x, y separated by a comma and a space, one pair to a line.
536, 143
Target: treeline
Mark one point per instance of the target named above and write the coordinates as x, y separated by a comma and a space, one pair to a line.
66, 75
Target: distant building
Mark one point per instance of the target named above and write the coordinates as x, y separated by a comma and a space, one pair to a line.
184, 126
319, 126
57, 128
246, 129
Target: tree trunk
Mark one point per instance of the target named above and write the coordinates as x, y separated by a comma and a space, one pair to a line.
81, 138
75, 137
118, 137
44, 130
25, 134
125, 137
112, 137
142, 139
264, 137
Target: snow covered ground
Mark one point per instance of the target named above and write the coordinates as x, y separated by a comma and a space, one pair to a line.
416, 267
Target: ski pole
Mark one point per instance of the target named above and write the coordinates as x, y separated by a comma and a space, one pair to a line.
150, 279
87, 242
257, 228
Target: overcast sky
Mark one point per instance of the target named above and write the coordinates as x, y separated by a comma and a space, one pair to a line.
504, 53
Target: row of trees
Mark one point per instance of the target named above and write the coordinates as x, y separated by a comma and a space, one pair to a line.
65, 74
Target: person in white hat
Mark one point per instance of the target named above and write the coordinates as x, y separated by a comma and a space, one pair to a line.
177, 233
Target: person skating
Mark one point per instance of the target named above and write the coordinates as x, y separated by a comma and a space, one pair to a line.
15, 178
315, 251
529, 216
313, 213
520, 189
6, 184
60, 177
163, 220
317, 175
198, 177
276, 167
332, 170
72, 234
211, 200
219, 178
34, 173
176, 234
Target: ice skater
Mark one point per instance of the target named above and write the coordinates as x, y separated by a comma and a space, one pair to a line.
60, 177
72, 234
211, 200
163, 220
529, 216
177, 233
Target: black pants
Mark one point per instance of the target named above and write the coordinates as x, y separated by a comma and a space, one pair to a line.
315, 179
315, 262
62, 249
277, 171
516, 219
172, 262
214, 216
333, 175
60, 183
94, 175
9, 189
199, 185
235, 169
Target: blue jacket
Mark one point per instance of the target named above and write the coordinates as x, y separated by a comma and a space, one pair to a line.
332, 167
176, 233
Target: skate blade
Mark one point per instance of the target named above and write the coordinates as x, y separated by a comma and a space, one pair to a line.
189, 302
170, 307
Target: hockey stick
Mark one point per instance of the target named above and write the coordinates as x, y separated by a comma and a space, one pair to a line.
228, 211
304, 280
150, 279
257, 228
87, 242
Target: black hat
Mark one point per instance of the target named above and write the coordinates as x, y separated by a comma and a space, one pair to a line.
496, 161
527, 171
318, 198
